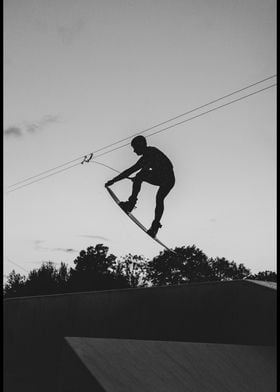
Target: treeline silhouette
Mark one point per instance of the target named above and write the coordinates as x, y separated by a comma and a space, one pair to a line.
97, 269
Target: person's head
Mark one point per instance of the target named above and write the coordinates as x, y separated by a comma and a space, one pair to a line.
139, 144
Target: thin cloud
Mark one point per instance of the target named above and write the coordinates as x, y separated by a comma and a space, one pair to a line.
38, 246
213, 220
31, 127
42, 262
95, 237
66, 250
69, 33
13, 132
38, 242
42, 123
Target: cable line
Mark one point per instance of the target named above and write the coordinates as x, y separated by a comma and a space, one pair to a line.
139, 133
12, 262
44, 172
42, 178
154, 133
191, 118
103, 164
184, 114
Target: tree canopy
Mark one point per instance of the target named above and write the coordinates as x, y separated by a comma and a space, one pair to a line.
97, 269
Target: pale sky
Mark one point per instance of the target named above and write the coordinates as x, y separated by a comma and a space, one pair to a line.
79, 75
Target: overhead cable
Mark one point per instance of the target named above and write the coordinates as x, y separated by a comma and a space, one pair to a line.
191, 118
144, 131
42, 178
17, 265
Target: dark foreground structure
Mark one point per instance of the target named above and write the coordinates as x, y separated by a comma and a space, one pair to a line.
200, 337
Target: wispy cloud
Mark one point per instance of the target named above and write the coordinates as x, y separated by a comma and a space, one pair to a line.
42, 262
42, 123
68, 33
66, 250
31, 127
13, 132
38, 242
38, 245
95, 237
213, 220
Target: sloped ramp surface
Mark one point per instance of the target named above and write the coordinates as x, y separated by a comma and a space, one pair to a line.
117, 365
234, 312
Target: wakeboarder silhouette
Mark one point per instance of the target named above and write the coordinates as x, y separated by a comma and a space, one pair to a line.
153, 167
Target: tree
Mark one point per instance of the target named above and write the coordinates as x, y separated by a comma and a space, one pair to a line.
133, 268
47, 279
94, 270
222, 269
267, 276
189, 265
192, 265
14, 285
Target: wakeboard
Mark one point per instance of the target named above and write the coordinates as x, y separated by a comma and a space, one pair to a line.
136, 221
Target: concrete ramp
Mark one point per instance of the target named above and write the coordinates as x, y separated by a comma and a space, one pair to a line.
236, 312
117, 365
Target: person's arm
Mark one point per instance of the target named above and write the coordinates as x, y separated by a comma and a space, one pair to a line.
126, 173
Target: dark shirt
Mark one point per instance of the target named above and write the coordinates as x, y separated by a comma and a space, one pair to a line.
156, 160
152, 160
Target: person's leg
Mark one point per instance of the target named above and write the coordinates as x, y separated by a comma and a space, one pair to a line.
159, 205
161, 195
136, 187
142, 176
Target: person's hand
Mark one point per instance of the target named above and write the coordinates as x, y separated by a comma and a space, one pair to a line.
109, 183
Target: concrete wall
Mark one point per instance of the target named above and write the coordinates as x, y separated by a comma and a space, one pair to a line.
119, 365
239, 312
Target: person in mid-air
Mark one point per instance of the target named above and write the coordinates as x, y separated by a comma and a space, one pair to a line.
155, 168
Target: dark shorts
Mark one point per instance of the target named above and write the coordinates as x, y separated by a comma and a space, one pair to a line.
165, 179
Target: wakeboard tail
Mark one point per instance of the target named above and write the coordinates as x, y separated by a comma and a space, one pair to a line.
136, 221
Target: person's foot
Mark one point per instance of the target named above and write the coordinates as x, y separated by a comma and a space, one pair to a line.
127, 206
154, 229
